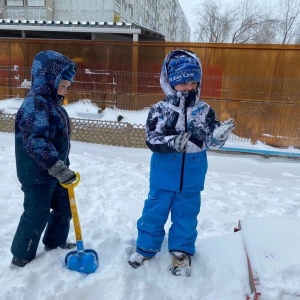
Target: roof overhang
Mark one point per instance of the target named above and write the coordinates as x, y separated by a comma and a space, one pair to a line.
82, 27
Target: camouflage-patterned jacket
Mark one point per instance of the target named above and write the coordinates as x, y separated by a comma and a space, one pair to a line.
180, 112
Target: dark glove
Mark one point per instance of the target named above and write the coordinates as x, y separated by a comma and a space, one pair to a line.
222, 133
62, 172
180, 141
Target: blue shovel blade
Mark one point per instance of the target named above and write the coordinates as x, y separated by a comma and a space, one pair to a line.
85, 261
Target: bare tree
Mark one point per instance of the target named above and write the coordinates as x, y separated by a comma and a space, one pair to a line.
297, 38
288, 24
241, 23
249, 22
213, 24
267, 33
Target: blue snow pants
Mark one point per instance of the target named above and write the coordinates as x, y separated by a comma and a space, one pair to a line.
184, 208
38, 201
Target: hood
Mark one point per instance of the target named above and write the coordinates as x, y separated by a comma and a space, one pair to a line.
48, 69
164, 82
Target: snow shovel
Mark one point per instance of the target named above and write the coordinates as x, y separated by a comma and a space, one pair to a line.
83, 261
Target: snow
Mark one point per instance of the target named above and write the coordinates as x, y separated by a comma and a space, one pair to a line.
86, 109
275, 261
262, 192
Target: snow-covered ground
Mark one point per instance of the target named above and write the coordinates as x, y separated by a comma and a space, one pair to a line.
86, 109
273, 249
110, 196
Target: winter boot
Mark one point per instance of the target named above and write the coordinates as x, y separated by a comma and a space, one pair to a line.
66, 246
136, 260
181, 265
18, 263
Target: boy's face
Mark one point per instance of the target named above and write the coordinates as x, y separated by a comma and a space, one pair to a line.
186, 87
63, 87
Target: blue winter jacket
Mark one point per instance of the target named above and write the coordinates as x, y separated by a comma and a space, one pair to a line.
180, 112
42, 128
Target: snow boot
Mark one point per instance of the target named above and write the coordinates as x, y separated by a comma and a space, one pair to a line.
18, 263
66, 246
181, 265
136, 260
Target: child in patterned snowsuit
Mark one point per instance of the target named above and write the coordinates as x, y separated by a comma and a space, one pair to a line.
179, 130
42, 145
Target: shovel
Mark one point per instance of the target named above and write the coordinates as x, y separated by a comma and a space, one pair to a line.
83, 261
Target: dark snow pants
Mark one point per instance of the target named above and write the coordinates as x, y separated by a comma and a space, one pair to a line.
38, 201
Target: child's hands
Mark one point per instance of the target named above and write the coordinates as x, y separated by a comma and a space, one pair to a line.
222, 133
62, 172
181, 141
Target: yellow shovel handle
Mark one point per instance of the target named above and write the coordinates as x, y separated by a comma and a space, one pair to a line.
72, 184
70, 187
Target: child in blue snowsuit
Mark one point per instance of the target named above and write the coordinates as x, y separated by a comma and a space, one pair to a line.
42, 146
179, 130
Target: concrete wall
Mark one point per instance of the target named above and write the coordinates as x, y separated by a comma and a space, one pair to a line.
163, 16
2, 9
50, 9
78, 10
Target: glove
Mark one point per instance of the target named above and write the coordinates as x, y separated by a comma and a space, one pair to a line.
222, 133
181, 141
62, 172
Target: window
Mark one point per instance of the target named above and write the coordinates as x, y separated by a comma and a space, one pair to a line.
139, 19
14, 3
124, 6
36, 2
36, 14
25, 2
15, 14
131, 11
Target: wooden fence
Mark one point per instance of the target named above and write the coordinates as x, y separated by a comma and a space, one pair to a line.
99, 132
258, 85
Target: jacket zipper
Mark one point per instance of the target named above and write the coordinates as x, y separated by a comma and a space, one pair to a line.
183, 154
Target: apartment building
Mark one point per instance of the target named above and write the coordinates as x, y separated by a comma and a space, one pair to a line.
163, 16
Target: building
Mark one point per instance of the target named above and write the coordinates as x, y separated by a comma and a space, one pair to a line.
164, 17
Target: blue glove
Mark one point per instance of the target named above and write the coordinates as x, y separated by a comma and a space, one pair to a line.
223, 131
